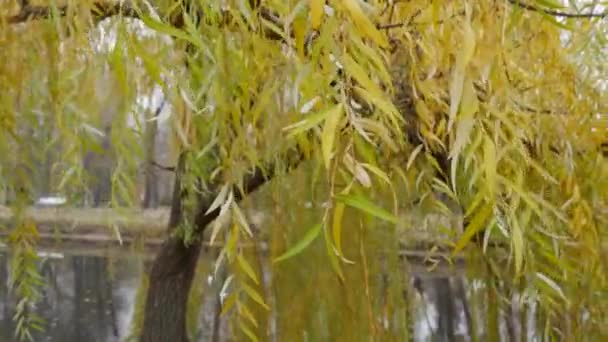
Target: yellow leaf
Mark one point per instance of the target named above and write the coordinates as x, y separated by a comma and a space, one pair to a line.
517, 244
413, 155
328, 136
386, 106
333, 259
311, 121
458, 74
489, 163
470, 105
363, 23
337, 226
316, 13
246, 267
360, 75
477, 224
253, 294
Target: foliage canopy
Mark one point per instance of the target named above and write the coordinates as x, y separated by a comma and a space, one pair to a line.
492, 110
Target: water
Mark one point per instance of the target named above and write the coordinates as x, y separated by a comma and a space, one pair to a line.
93, 298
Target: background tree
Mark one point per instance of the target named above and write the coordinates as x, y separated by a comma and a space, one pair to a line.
488, 108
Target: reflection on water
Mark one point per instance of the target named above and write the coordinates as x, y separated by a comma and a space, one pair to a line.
91, 298
86, 298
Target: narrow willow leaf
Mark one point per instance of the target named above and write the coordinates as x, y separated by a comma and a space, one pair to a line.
376, 170
229, 303
374, 56
219, 200
331, 254
489, 164
241, 219
337, 226
296, 249
311, 121
361, 175
253, 294
413, 155
328, 136
365, 205
466, 121
517, 243
245, 312
552, 284
247, 331
459, 71
383, 104
360, 75
456, 84
363, 23
478, 222
523, 194
551, 4
169, 29
316, 13
246, 267
365, 149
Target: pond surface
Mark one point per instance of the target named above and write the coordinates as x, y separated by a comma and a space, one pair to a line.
387, 292
93, 298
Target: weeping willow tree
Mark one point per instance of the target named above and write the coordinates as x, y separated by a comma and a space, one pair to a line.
491, 110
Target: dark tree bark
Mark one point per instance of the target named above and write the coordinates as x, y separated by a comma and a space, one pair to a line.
173, 268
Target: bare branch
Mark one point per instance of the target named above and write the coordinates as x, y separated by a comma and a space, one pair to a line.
162, 167
554, 13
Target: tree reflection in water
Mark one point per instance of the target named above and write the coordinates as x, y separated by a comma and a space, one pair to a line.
91, 298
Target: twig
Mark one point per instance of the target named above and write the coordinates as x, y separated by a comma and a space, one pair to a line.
555, 13
163, 167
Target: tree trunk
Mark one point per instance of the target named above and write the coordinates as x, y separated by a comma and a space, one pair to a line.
170, 282
174, 267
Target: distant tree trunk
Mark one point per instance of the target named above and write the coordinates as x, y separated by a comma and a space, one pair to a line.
99, 165
445, 308
151, 178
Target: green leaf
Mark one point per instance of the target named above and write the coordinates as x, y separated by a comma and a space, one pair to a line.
296, 249
363, 204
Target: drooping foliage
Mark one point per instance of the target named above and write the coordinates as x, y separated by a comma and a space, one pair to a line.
489, 111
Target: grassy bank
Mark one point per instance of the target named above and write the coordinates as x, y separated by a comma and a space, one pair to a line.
98, 223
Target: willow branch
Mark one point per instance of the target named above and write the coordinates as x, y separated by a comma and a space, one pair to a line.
99, 10
251, 183
555, 13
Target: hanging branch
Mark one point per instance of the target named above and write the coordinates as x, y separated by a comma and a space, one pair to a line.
100, 11
555, 13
